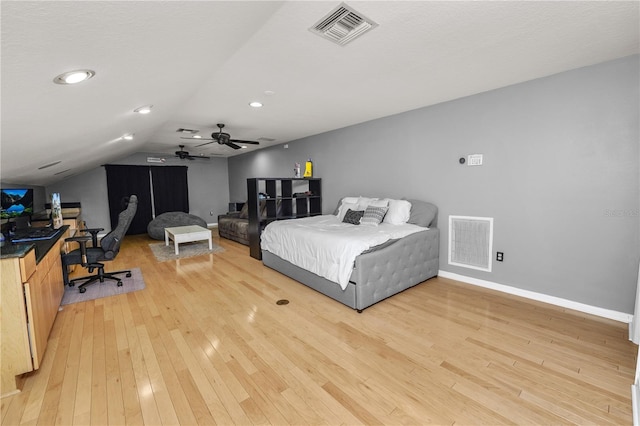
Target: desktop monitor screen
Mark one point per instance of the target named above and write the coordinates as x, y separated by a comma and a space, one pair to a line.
16, 202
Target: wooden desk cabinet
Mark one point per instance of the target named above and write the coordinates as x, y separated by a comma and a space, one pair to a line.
31, 296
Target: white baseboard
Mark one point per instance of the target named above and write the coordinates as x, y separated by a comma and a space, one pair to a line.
569, 304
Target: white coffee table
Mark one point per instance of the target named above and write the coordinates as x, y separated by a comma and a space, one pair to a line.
187, 234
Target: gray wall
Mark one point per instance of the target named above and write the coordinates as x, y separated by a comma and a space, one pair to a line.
208, 188
560, 176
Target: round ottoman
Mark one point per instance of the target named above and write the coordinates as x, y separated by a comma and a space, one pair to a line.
155, 229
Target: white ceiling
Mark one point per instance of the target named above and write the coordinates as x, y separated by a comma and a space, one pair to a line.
201, 62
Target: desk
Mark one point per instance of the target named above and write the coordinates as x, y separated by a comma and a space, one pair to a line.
32, 288
187, 234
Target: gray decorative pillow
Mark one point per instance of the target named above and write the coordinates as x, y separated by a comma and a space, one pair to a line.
244, 211
373, 215
353, 217
423, 213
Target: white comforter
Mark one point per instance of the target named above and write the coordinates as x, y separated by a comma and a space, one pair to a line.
326, 246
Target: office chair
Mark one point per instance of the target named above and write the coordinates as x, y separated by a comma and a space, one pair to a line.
91, 257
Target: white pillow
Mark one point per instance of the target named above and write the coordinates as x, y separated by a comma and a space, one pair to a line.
349, 200
363, 202
398, 213
352, 200
379, 203
344, 208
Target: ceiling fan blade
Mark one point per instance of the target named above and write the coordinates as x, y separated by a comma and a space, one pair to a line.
206, 143
232, 145
247, 142
197, 139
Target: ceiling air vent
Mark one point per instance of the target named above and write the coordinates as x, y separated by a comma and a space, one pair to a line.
188, 131
342, 25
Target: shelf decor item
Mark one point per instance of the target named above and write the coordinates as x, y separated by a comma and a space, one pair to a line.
296, 170
56, 211
308, 169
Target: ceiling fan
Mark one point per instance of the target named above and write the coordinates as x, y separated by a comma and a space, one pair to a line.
184, 155
223, 139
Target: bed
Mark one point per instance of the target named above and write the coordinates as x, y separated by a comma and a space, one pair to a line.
379, 271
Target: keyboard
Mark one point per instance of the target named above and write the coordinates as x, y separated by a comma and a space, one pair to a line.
34, 234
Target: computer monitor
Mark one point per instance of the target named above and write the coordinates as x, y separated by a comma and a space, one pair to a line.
16, 202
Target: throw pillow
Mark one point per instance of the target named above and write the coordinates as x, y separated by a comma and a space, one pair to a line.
373, 215
345, 207
350, 200
244, 211
399, 212
422, 213
353, 217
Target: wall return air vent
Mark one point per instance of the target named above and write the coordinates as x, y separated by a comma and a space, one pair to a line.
342, 25
471, 242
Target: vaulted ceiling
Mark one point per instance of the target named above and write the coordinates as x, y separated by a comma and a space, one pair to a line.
202, 62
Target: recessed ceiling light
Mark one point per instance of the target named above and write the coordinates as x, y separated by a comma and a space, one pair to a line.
255, 104
243, 146
197, 136
73, 77
269, 92
128, 137
143, 109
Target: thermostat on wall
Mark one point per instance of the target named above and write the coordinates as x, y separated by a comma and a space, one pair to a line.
474, 160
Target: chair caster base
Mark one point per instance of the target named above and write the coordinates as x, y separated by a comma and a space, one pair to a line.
119, 283
82, 289
128, 275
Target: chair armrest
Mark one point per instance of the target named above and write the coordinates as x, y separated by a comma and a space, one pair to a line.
92, 230
94, 234
78, 239
82, 240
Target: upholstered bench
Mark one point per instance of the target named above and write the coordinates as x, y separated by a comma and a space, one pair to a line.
155, 229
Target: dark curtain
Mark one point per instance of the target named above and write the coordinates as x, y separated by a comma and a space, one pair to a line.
170, 189
123, 181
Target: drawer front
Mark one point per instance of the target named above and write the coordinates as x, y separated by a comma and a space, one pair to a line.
28, 265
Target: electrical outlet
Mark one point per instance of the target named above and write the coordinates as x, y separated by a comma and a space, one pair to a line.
499, 256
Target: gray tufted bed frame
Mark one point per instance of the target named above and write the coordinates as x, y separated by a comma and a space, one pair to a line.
382, 271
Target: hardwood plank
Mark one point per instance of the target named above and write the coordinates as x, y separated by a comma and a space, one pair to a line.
82, 406
209, 395
99, 409
176, 397
53, 392
115, 403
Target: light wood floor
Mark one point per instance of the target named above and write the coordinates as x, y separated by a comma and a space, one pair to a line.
206, 343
